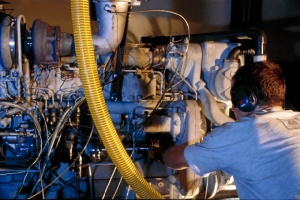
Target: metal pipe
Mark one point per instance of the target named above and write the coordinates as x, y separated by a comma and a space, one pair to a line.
26, 80
235, 35
111, 18
19, 45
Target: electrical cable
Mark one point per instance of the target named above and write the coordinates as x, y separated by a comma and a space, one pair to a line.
65, 170
58, 128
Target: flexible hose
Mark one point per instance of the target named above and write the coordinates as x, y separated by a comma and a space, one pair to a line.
93, 92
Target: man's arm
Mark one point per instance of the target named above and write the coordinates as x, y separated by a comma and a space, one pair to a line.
173, 157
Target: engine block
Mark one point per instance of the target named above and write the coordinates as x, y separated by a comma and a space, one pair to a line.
156, 93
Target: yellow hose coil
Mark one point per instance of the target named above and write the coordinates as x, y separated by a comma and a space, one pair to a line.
96, 102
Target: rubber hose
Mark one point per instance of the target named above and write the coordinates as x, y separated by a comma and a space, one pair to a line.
96, 102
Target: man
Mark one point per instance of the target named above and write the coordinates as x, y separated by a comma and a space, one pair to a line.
261, 150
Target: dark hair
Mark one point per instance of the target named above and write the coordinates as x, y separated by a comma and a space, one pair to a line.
265, 78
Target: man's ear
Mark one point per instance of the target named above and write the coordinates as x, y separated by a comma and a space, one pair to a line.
243, 98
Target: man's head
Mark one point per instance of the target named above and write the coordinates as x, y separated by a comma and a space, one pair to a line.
258, 84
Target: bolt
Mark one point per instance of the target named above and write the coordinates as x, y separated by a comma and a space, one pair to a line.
160, 184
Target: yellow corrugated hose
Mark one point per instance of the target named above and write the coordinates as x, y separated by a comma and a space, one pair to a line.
96, 102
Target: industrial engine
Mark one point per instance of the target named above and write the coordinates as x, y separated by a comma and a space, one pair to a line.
79, 111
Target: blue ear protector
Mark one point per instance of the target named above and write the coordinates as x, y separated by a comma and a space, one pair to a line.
244, 98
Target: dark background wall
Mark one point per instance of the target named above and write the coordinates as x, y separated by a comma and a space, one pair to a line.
280, 20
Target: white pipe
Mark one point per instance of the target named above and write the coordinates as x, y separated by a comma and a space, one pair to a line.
20, 72
210, 106
19, 18
50, 92
26, 80
111, 20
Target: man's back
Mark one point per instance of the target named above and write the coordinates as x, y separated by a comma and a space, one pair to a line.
274, 169
261, 151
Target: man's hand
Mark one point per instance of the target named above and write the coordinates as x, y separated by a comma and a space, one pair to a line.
157, 145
